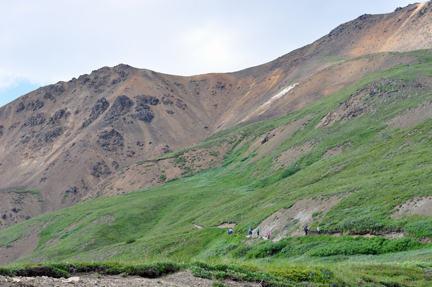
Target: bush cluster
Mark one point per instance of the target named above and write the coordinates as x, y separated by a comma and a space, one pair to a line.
57, 270
373, 246
279, 277
323, 246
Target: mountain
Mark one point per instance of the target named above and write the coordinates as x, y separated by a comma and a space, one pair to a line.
77, 140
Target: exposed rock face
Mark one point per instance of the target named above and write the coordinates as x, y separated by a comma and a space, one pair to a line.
115, 165
99, 108
146, 99
179, 103
167, 101
20, 107
34, 120
58, 116
166, 149
100, 169
72, 189
121, 106
49, 136
144, 115
33, 106
111, 140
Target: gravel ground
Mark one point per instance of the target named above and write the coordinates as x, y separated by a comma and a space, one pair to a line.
180, 279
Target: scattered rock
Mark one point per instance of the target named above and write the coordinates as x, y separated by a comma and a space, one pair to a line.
99, 108
115, 165
166, 149
48, 96
111, 140
120, 107
72, 189
179, 103
34, 120
219, 85
57, 89
142, 107
58, 115
265, 139
146, 99
167, 101
145, 116
20, 107
14, 125
49, 136
138, 143
1, 131
169, 112
33, 106
100, 169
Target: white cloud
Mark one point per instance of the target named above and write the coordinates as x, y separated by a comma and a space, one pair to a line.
213, 45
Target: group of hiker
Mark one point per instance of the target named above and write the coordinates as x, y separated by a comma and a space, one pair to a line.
257, 233
305, 229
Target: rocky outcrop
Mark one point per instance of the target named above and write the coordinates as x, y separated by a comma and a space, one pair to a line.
144, 115
33, 106
100, 169
98, 109
36, 120
111, 140
180, 104
121, 106
55, 119
167, 101
146, 99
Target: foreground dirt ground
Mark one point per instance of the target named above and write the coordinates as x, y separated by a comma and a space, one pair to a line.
180, 279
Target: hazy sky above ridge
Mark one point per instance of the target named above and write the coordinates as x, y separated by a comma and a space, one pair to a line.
46, 41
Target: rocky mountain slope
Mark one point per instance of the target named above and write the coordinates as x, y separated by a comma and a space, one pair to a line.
354, 163
62, 140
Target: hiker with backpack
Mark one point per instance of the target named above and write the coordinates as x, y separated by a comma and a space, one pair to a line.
250, 232
268, 235
257, 232
306, 230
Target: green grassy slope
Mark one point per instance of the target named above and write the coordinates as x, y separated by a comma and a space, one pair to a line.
380, 167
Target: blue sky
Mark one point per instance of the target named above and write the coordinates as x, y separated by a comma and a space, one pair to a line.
46, 41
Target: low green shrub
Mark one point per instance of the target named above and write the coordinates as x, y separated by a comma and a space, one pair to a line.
420, 229
360, 245
130, 240
291, 170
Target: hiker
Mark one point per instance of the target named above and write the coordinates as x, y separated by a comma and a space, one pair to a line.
257, 232
306, 230
230, 231
250, 232
268, 235
319, 230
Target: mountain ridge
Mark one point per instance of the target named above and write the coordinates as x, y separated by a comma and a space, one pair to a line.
65, 139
